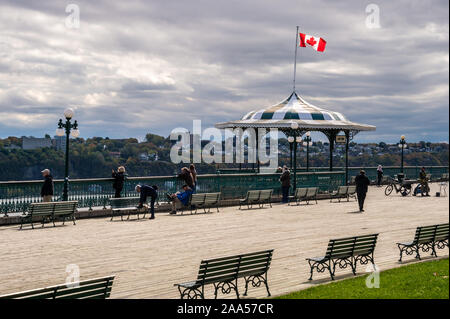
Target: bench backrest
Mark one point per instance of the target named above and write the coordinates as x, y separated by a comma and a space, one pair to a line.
351, 190
442, 231
212, 198
53, 208
41, 209
301, 192
445, 176
98, 288
253, 195
232, 267
428, 234
351, 246
265, 194
312, 191
342, 190
65, 208
197, 199
425, 234
123, 202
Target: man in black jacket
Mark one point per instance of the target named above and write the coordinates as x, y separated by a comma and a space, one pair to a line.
362, 185
146, 191
285, 180
47, 188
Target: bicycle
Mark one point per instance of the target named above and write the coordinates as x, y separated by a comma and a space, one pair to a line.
403, 187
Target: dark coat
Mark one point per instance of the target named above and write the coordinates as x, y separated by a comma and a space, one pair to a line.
285, 179
187, 177
47, 188
362, 183
145, 192
119, 179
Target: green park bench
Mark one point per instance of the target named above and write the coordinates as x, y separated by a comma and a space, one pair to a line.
305, 194
444, 177
224, 273
345, 252
202, 200
99, 288
351, 192
340, 193
299, 195
259, 197
426, 238
51, 211
129, 205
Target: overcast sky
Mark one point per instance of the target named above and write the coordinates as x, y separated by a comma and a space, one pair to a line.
134, 67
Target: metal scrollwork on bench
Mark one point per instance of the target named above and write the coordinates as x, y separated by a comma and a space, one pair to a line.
342, 263
256, 281
225, 288
191, 293
441, 244
320, 267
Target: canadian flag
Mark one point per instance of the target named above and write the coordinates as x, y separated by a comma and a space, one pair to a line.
316, 43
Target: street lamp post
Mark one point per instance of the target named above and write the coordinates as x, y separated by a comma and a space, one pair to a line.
307, 143
293, 139
402, 145
70, 129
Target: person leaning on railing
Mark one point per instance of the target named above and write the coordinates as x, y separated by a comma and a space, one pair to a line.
119, 179
285, 180
47, 187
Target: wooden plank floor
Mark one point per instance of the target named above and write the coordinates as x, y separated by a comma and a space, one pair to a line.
149, 256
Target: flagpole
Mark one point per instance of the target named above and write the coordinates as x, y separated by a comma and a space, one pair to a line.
295, 58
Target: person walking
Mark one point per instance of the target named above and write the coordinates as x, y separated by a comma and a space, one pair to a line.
362, 185
194, 176
47, 187
146, 191
424, 188
285, 180
119, 179
379, 175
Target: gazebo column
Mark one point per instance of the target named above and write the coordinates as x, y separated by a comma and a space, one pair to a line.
347, 141
257, 150
290, 155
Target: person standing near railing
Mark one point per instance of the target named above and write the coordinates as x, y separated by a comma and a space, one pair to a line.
379, 175
285, 180
186, 176
194, 176
47, 187
119, 179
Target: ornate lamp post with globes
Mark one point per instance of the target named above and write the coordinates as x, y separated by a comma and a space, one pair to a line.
307, 142
293, 139
402, 145
70, 129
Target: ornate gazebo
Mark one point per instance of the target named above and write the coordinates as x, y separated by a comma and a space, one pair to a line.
294, 117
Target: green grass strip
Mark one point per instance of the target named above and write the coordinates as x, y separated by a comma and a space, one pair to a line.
424, 280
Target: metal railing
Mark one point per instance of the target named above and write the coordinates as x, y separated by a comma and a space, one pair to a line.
17, 195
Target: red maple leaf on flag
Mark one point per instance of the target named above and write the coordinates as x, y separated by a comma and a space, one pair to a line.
311, 41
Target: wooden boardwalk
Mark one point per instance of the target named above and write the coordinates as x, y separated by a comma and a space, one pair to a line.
149, 256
